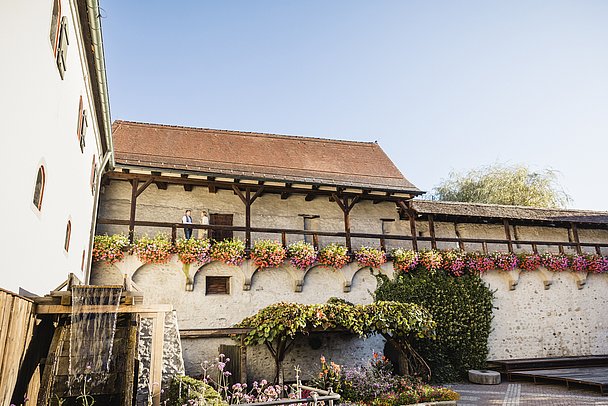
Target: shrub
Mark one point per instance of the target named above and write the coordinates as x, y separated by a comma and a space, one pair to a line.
302, 254
268, 254
334, 255
184, 390
230, 251
193, 250
155, 250
110, 248
372, 257
462, 309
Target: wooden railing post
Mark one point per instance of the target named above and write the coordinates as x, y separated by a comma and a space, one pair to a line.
315, 241
284, 238
574, 228
508, 234
173, 234
134, 184
432, 232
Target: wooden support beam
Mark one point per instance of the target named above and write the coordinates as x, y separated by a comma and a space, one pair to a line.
508, 234
432, 232
240, 194
143, 187
211, 186
188, 187
285, 195
257, 194
346, 205
134, 184
574, 229
161, 185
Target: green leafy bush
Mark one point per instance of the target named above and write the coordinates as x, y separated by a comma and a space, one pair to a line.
462, 309
183, 389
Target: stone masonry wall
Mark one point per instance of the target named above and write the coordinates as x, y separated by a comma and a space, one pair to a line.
537, 314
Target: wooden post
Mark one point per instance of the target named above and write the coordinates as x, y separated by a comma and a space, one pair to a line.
156, 357
598, 250
248, 219
432, 232
412, 217
508, 234
315, 241
134, 184
349, 246
173, 234
574, 228
484, 247
284, 238
535, 248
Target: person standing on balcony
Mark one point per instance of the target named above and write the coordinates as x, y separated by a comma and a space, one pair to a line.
187, 219
203, 233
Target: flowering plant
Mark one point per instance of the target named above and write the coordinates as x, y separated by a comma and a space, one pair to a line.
554, 262
268, 254
579, 263
430, 259
230, 251
372, 257
302, 254
455, 262
479, 263
404, 260
505, 261
155, 250
597, 263
334, 255
110, 248
529, 262
193, 250
330, 376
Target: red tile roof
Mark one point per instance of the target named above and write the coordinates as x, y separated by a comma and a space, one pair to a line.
257, 156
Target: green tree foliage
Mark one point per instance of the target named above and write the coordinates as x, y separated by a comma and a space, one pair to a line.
277, 325
462, 309
499, 184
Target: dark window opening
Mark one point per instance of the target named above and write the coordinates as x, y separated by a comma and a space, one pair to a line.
220, 220
55, 25
217, 285
82, 125
39, 188
68, 233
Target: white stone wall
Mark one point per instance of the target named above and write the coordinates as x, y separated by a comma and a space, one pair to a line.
538, 314
39, 117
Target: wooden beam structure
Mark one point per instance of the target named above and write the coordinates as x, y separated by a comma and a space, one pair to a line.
577, 241
248, 200
432, 231
508, 234
346, 204
134, 189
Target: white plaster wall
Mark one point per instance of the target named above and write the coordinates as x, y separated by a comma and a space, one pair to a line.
39, 116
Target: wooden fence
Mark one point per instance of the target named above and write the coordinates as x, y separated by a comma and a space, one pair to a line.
17, 321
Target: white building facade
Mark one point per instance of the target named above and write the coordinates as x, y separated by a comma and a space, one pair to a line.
55, 141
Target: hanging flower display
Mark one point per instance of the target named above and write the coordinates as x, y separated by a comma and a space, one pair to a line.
334, 255
529, 262
430, 259
455, 262
230, 251
110, 248
555, 262
480, 263
404, 260
301, 254
505, 261
372, 257
193, 250
268, 254
155, 250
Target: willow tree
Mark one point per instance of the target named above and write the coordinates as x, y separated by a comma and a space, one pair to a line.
277, 325
500, 184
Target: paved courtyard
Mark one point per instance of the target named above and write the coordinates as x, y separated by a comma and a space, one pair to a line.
526, 394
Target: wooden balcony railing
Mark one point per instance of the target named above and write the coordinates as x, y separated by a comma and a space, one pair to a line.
282, 234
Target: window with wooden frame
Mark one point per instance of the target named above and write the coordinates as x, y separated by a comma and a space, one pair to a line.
39, 188
61, 52
217, 285
68, 234
82, 125
55, 25
93, 173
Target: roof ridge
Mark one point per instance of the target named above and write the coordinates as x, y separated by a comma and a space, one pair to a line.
248, 133
508, 206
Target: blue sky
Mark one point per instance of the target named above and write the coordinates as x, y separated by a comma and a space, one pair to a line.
441, 85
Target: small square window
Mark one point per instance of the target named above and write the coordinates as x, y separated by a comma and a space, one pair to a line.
217, 285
